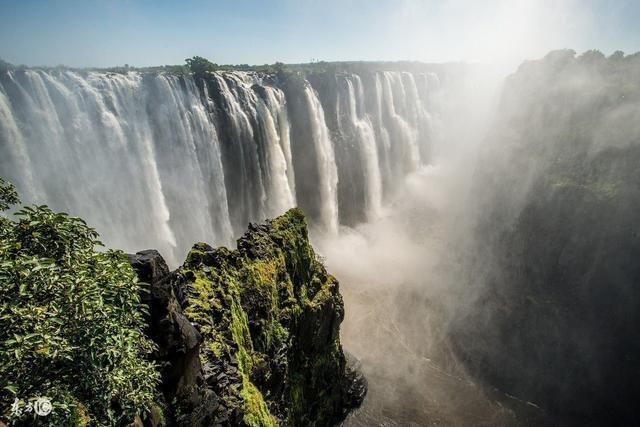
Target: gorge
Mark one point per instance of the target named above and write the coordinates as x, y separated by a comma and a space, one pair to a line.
173, 158
483, 230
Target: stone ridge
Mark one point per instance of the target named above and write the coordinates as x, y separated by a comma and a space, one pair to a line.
263, 324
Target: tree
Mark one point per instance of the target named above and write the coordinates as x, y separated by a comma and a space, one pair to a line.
199, 65
71, 323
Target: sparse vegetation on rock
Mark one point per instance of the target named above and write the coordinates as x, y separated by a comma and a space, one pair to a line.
268, 315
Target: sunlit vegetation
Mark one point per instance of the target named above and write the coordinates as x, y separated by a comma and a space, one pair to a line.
71, 323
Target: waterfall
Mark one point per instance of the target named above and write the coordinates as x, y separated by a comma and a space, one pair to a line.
405, 149
326, 162
157, 160
15, 159
365, 136
245, 184
418, 116
258, 136
282, 160
383, 137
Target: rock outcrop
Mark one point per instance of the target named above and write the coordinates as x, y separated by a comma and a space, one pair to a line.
250, 336
188, 401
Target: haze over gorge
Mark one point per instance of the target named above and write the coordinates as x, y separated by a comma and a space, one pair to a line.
348, 243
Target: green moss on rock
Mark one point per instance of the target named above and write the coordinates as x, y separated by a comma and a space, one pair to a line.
270, 314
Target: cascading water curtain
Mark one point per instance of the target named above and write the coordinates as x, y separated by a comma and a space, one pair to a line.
160, 161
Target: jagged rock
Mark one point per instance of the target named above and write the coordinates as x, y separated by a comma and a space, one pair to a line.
251, 336
149, 266
354, 383
178, 342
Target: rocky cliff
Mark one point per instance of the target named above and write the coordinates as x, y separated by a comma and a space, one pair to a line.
250, 336
555, 315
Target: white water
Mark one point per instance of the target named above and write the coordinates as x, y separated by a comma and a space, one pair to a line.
158, 161
282, 159
366, 138
250, 184
405, 137
326, 163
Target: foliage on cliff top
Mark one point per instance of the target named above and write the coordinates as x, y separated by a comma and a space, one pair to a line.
198, 64
70, 323
270, 310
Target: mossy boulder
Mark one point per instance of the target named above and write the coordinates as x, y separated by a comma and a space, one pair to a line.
268, 316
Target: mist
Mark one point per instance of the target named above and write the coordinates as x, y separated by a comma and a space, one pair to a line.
463, 293
467, 171
404, 276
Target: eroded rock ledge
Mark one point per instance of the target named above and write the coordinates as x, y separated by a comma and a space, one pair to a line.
250, 336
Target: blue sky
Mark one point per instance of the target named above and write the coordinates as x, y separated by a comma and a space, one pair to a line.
146, 32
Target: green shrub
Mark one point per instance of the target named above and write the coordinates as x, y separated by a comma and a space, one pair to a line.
8, 195
199, 65
71, 323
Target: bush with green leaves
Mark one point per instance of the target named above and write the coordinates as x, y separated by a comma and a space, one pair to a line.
71, 323
8, 195
199, 65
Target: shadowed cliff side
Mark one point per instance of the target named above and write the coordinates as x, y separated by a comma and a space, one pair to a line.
553, 317
251, 336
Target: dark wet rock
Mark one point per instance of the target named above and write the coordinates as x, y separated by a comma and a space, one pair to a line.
270, 316
354, 383
178, 343
149, 265
554, 308
251, 336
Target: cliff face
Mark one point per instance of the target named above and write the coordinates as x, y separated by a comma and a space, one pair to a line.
556, 319
251, 336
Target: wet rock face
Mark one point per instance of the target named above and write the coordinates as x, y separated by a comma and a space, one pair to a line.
188, 400
354, 384
556, 316
251, 336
